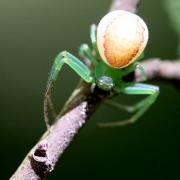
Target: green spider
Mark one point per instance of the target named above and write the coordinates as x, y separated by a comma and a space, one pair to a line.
117, 44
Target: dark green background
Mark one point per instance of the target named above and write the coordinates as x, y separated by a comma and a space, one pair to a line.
32, 32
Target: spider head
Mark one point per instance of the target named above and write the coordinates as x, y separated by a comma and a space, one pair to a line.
105, 83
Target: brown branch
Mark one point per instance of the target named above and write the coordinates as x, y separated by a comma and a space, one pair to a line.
156, 68
128, 5
40, 161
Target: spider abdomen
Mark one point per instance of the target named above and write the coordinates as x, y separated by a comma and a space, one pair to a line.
121, 38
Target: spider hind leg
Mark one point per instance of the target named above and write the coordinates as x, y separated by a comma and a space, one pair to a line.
141, 107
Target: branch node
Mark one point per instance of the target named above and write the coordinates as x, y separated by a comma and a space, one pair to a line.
40, 162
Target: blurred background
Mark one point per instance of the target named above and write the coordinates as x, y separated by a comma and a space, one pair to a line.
31, 34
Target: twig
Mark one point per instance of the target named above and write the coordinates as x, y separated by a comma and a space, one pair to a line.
128, 5
156, 68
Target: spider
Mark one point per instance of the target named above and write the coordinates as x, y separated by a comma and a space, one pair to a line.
117, 44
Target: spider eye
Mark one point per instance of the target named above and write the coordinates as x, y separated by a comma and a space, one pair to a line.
105, 83
121, 38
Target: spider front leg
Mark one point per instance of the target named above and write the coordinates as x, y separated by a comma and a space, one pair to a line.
61, 59
141, 107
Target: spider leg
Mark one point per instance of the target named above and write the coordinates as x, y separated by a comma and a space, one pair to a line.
93, 31
61, 59
51, 107
86, 53
132, 68
141, 69
118, 106
141, 107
